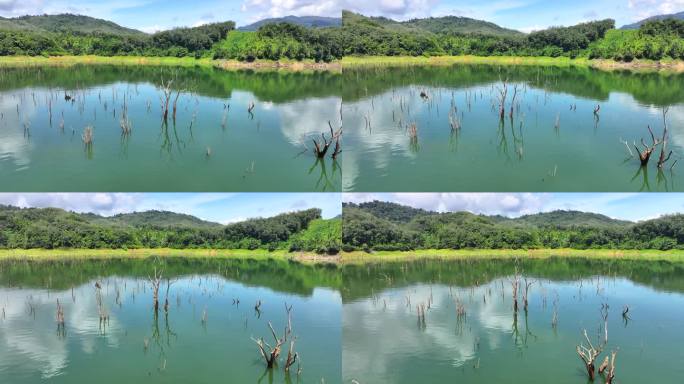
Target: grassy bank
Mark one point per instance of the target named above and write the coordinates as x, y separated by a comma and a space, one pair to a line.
87, 254
66, 61
636, 65
485, 254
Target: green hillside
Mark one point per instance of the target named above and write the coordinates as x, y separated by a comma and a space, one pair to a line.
459, 25
369, 227
65, 23
52, 228
638, 24
304, 21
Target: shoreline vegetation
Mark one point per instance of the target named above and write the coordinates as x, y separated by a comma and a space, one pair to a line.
40, 255
363, 258
352, 62
265, 65
665, 65
343, 258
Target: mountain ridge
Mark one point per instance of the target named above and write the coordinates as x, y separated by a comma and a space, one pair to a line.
305, 21
64, 22
678, 16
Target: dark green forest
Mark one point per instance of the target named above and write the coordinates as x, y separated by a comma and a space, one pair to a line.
388, 226
52, 228
53, 35
56, 35
655, 39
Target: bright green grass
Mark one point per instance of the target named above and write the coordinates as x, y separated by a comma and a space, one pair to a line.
636, 65
286, 64
461, 254
75, 254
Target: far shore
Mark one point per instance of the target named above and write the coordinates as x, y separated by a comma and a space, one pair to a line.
345, 258
259, 65
665, 66
144, 253
360, 257
286, 65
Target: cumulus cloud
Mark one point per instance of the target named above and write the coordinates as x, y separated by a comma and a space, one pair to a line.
508, 204
646, 8
259, 9
100, 203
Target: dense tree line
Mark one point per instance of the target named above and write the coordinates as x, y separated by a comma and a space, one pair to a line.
368, 227
52, 228
177, 42
597, 39
281, 40
358, 35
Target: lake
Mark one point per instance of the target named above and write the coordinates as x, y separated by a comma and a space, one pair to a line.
205, 335
384, 340
436, 129
232, 130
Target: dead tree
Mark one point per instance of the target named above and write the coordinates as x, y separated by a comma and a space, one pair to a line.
515, 283
515, 94
291, 356
503, 93
165, 98
268, 352
604, 316
588, 354
155, 281
320, 149
528, 285
609, 375
663, 158
60, 314
645, 154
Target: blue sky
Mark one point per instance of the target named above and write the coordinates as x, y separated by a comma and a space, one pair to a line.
151, 15
625, 206
218, 207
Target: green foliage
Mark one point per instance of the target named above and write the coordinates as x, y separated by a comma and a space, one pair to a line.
321, 236
458, 36
280, 40
63, 40
655, 40
65, 23
51, 228
366, 228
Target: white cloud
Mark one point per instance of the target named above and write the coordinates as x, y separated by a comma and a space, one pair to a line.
508, 204
100, 203
646, 8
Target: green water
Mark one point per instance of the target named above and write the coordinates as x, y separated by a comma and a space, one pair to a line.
383, 341
554, 142
178, 346
213, 144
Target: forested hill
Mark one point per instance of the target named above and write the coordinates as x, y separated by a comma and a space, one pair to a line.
374, 226
389, 211
304, 21
65, 23
375, 36
638, 24
450, 25
51, 228
153, 219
